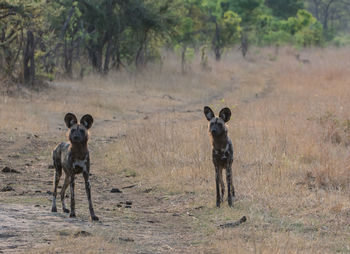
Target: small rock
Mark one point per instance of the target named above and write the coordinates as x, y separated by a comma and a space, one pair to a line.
50, 166
15, 156
153, 221
36, 205
116, 190
38, 191
128, 202
82, 233
7, 188
127, 239
148, 190
128, 206
49, 192
9, 170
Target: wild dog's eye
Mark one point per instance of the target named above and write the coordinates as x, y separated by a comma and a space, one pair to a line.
211, 124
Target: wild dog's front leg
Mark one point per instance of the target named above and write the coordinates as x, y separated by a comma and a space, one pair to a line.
72, 199
88, 194
222, 186
230, 188
217, 181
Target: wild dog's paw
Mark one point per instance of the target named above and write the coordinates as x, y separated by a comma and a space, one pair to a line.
94, 218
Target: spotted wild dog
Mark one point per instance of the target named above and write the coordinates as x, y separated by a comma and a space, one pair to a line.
74, 158
222, 152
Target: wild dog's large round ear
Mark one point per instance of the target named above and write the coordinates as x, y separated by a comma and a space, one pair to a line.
70, 119
225, 114
209, 114
87, 121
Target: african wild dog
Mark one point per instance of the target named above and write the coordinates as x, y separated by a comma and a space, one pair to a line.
222, 152
74, 158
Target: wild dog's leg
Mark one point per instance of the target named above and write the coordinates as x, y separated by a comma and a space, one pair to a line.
230, 189
63, 192
57, 177
217, 181
222, 186
58, 172
88, 193
72, 199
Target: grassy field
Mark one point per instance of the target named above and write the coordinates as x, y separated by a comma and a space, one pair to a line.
290, 128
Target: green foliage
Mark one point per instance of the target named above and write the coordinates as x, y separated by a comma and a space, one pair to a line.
341, 40
111, 34
302, 30
284, 8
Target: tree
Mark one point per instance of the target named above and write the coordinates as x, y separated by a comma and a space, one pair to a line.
284, 8
333, 14
248, 10
224, 24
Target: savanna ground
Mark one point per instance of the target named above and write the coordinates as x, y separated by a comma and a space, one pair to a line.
291, 133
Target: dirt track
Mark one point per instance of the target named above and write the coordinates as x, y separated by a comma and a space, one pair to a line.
153, 223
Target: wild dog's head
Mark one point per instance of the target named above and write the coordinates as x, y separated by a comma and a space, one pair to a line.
217, 126
78, 132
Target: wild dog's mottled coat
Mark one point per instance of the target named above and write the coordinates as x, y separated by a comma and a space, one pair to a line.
73, 158
222, 152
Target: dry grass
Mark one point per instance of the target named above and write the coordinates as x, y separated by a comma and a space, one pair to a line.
291, 136
290, 130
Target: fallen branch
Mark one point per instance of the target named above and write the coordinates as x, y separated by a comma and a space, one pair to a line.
233, 224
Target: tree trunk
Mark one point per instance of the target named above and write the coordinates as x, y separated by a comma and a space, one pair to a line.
244, 44
96, 58
28, 60
326, 15
183, 60
107, 57
216, 43
68, 59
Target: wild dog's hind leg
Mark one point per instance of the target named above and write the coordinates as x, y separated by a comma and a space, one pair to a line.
58, 173
88, 194
230, 189
217, 181
72, 198
63, 193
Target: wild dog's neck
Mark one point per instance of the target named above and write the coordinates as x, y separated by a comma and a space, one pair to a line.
219, 142
79, 150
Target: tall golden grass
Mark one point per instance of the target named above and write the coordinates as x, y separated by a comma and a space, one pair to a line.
290, 129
